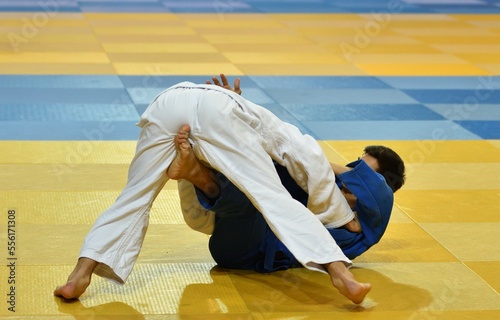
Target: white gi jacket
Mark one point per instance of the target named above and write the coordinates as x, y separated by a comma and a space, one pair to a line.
239, 139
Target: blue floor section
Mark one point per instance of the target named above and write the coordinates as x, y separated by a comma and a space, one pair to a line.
254, 6
328, 108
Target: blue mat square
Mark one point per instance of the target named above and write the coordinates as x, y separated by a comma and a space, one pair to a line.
472, 83
218, 7
286, 116
60, 81
64, 95
388, 130
68, 112
489, 9
254, 6
62, 107
39, 8
143, 95
455, 96
319, 82
153, 81
297, 7
466, 112
123, 6
69, 130
360, 112
340, 96
484, 129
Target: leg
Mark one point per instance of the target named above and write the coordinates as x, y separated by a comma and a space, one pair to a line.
344, 281
249, 167
341, 278
187, 166
244, 234
113, 244
245, 229
78, 280
299, 194
239, 227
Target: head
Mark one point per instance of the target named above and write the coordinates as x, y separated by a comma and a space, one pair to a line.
388, 163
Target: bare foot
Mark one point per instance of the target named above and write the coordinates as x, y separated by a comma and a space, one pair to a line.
345, 282
187, 166
78, 280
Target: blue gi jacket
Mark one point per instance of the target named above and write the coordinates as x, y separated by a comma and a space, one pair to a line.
373, 206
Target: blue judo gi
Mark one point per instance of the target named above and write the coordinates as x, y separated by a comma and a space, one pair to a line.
242, 239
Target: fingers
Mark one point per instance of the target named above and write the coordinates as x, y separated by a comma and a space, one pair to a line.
224, 79
237, 86
216, 81
225, 83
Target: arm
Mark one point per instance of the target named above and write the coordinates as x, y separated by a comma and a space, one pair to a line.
362, 182
308, 166
374, 199
350, 197
196, 217
338, 169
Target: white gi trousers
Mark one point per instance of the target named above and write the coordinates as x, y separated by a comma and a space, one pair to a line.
239, 139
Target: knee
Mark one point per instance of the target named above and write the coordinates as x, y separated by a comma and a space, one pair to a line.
220, 252
231, 257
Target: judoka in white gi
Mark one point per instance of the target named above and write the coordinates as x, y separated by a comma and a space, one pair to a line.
239, 139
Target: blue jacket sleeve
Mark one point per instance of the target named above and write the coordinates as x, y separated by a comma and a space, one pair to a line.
374, 201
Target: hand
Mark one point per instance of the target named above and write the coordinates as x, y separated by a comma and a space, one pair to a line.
339, 169
354, 225
225, 84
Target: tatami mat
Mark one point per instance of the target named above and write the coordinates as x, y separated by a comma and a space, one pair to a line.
422, 77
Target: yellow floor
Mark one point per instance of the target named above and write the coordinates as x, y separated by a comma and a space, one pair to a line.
438, 260
271, 44
440, 257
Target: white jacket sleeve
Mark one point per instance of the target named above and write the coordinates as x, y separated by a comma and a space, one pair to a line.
196, 217
307, 164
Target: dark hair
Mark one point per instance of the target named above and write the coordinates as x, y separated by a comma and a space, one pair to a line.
391, 166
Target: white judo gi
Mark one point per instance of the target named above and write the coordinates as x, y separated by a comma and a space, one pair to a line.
239, 139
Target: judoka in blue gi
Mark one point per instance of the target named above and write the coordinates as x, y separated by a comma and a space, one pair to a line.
241, 238
239, 139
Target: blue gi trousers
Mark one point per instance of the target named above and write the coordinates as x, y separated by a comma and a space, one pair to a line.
241, 237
